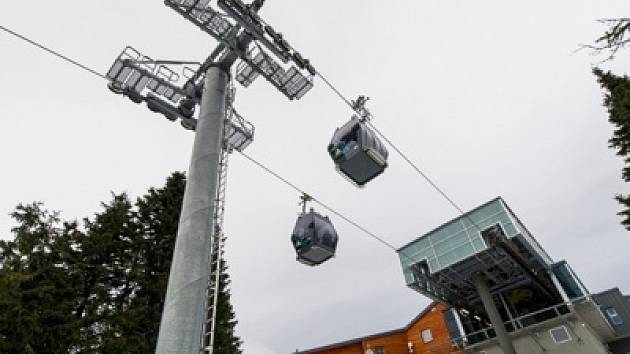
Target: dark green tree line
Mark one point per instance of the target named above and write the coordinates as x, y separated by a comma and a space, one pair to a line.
95, 286
617, 100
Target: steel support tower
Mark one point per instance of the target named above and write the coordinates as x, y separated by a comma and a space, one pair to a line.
175, 90
218, 237
183, 312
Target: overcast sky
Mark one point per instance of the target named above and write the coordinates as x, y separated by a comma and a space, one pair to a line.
488, 97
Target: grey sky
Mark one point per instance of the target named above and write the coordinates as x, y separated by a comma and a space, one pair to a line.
487, 96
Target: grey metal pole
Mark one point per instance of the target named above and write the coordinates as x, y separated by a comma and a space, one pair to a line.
183, 314
479, 281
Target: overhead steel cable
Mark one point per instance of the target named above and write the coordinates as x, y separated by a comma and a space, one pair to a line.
398, 150
268, 170
53, 52
415, 167
326, 206
336, 91
322, 204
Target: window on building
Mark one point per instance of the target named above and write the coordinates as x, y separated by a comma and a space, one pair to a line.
614, 316
378, 350
560, 335
427, 336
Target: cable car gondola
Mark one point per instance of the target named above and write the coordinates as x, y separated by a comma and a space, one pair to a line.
314, 237
357, 152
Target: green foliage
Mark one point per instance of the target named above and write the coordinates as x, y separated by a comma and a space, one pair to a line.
97, 286
225, 341
617, 101
37, 295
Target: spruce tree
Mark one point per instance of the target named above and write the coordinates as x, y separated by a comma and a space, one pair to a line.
97, 286
157, 215
225, 340
617, 98
614, 39
37, 293
617, 101
110, 260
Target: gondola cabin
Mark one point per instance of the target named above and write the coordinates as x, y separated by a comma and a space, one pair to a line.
314, 238
357, 152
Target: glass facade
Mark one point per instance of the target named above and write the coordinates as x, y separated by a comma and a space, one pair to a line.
453, 328
461, 238
569, 284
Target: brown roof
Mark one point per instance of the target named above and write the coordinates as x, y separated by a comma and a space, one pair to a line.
372, 336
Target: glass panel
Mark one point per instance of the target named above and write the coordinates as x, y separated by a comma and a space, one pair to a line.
486, 212
408, 276
570, 286
452, 229
456, 255
433, 264
422, 243
614, 316
451, 324
510, 230
450, 243
479, 245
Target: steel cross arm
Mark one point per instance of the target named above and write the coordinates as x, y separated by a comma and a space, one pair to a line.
256, 28
209, 61
242, 41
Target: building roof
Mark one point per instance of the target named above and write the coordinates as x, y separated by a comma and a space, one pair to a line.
452, 221
611, 290
371, 336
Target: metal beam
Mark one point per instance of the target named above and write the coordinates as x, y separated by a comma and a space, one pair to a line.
183, 315
481, 285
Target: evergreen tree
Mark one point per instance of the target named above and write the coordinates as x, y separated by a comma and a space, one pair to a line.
98, 287
617, 98
225, 339
37, 294
157, 217
109, 258
617, 101
614, 39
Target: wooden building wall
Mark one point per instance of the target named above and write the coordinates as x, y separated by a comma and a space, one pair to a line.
397, 342
393, 343
433, 320
356, 348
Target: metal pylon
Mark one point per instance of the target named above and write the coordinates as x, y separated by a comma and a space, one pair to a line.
218, 237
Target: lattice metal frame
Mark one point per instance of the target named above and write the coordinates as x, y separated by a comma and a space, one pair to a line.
503, 268
137, 74
266, 53
141, 79
200, 13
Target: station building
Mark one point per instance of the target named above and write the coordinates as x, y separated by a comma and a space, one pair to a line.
508, 294
497, 291
616, 307
428, 332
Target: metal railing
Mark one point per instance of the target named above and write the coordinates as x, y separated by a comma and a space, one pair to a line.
518, 323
